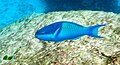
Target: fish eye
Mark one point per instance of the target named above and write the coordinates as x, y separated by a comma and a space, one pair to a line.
42, 33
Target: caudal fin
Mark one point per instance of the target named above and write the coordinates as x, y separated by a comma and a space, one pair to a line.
94, 31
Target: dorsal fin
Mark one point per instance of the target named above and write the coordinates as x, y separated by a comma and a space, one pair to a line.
72, 23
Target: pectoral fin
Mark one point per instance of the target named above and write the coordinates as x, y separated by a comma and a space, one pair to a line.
57, 32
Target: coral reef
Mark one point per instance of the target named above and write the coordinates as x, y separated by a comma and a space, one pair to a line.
18, 45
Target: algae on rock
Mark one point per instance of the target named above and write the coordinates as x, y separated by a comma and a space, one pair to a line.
18, 40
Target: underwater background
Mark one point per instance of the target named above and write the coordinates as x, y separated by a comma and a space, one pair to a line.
21, 19
12, 10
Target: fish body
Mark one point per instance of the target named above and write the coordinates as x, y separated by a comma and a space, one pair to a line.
65, 30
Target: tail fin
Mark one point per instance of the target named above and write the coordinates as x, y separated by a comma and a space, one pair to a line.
94, 31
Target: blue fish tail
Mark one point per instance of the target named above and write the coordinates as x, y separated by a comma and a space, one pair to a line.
94, 31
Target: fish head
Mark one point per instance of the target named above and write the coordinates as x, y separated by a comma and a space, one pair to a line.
45, 33
48, 33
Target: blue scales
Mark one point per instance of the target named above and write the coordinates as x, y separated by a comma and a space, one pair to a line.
65, 30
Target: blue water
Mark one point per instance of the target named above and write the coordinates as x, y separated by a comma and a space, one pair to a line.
12, 10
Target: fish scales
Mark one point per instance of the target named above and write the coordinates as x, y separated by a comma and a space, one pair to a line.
66, 30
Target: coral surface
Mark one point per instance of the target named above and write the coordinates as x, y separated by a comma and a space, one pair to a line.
18, 45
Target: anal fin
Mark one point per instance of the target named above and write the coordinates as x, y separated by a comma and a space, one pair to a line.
76, 37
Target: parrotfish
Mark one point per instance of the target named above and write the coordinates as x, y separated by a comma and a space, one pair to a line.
66, 30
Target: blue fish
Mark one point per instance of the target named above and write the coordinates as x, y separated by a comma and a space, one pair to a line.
65, 30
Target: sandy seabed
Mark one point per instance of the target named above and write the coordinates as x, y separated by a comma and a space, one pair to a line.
18, 41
